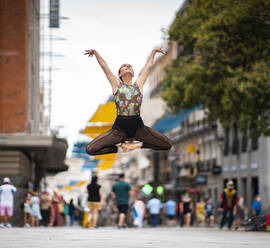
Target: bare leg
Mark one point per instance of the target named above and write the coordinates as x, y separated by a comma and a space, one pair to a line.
122, 218
188, 215
90, 218
95, 217
9, 219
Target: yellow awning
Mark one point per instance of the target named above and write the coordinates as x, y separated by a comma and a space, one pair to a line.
106, 164
105, 113
105, 156
93, 132
68, 187
81, 183
102, 120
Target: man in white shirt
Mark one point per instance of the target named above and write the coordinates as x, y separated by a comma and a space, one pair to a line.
6, 202
154, 206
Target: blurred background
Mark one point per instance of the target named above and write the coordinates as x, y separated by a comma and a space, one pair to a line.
54, 100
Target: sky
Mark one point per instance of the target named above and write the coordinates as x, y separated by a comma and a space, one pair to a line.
121, 31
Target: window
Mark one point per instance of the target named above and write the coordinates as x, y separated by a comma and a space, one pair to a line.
226, 142
255, 143
235, 145
244, 141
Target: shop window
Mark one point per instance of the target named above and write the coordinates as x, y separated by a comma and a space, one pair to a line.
244, 141
226, 148
255, 143
255, 186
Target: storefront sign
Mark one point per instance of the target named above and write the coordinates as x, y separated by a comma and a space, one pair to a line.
147, 189
192, 190
201, 180
160, 190
216, 170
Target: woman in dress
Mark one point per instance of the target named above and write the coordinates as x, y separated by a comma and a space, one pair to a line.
35, 209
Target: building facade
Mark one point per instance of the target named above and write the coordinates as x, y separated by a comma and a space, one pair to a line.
27, 153
246, 161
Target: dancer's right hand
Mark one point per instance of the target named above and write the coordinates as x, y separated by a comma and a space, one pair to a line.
90, 52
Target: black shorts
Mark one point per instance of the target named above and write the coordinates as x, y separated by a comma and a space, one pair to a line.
170, 216
128, 124
209, 214
123, 209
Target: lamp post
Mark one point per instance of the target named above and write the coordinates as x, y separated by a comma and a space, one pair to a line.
173, 158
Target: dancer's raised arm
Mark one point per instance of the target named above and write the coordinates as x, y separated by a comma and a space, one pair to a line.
114, 81
147, 67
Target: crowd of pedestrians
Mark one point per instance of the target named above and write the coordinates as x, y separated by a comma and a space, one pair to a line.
123, 207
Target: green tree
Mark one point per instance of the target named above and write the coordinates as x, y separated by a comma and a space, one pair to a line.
224, 64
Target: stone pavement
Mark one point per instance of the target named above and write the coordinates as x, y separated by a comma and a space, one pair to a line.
77, 237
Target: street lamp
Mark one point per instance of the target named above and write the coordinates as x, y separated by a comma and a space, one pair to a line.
173, 158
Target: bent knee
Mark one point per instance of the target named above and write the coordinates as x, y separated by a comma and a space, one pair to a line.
168, 146
90, 149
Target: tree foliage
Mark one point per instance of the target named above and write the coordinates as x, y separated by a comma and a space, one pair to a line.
225, 62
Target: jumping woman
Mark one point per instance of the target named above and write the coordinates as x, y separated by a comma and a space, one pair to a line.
128, 126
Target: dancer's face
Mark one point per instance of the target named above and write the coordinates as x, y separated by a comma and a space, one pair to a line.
126, 69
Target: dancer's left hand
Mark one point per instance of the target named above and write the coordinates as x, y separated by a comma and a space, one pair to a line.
159, 50
90, 52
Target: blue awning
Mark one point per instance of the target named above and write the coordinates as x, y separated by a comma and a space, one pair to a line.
73, 182
171, 121
89, 165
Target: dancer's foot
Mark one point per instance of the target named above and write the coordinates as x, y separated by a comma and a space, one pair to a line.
131, 146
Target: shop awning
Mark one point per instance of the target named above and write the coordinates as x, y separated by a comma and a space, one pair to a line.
94, 131
89, 165
171, 121
106, 164
102, 120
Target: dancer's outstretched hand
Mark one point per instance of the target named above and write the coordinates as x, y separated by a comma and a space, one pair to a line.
90, 52
159, 50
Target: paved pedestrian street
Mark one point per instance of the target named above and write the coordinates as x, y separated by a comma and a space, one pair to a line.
145, 237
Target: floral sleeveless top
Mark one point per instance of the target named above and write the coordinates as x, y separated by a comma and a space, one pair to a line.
128, 99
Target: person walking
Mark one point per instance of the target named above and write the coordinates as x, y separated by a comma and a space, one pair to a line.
180, 213
187, 209
170, 206
240, 213
154, 205
256, 206
61, 209
71, 212
121, 191
229, 198
209, 213
95, 196
200, 214
7, 191
45, 204
27, 210
35, 209
55, 214
138, 212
